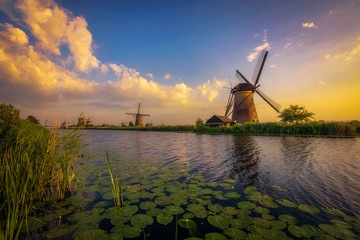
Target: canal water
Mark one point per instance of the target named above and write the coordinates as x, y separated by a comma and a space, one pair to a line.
199, 186
316, 171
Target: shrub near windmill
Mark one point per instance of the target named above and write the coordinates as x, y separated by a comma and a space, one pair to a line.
241, 103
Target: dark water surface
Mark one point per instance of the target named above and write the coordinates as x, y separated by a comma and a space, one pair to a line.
316, 171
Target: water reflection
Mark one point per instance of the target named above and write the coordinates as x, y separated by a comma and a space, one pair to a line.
245, 160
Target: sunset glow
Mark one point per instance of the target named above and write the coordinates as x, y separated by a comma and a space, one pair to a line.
59, 58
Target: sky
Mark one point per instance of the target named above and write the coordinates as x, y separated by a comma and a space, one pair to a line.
59, 58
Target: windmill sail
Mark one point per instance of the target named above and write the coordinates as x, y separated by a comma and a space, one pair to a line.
259, 67
272, 103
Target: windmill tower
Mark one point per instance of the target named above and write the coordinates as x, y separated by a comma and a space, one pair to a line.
138, 117
241, 102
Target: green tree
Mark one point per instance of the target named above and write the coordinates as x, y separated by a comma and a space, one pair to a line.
32, 119
9, 124
131, 124
199, 122
295, 114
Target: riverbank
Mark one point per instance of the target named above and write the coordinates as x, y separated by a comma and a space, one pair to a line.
317, 129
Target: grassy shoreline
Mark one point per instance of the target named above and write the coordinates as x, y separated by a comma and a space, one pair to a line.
312, 129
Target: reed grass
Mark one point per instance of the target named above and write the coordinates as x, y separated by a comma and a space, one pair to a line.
36, 165
115, 186
175, 128
329, 129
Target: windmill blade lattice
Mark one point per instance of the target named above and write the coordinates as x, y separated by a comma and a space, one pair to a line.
272, 103
259, 67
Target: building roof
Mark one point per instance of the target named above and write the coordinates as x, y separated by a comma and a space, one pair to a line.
219, 119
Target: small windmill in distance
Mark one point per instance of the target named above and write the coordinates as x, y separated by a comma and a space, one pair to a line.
241, 103
138, 117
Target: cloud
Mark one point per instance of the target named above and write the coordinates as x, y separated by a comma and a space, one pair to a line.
258, 49
350, 55
14, 34
322, 83
117, 69
53, 27
211, 89
327, 56
150, 75
167, 77
309, 25
287, 45
104, 69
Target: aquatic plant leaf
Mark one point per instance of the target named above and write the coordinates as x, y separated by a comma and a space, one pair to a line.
262, 210
243, 212
261, 222
337, 232
78, 200
341, 224
141, 220
154, 212
287, 203
278, 225
64, 211
195, 208
258, 230
215, 236
215, 207
273, 234
218, 221
213, 184
31, 224
253, 236
235, 233
147, 205
232, 195
92, 188
188, 215
240, 223
128, 210
49, 217
201, 214
173, 210
226, 185
60, 231
111, 236
163, 200
206, 191
246, 205
230, 210
164, 219
296, 230
221, 197
187, 223
92, 218
308, 208
277, 187
104, 204
91, 234
311, 231
250, 190
288, 219
108, 196
61, 204
333, 211
228, 180
193, 238
267, 217
131, 232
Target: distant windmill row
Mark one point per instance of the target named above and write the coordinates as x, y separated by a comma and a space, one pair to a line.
240, 102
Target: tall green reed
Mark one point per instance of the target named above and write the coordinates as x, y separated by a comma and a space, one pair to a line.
117, 190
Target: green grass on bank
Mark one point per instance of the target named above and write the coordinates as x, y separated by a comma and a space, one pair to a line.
329, 129
36, 164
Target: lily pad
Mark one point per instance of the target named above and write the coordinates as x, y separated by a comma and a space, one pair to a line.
78, 200
235, 233
215, 236
131, 232
195, 208
232, 195
333, 211
201, 214
215, 207
104, 204
218, 221
128, 210
147, 205
64, 211
341, 224
193, 238
206, 191
261, 222
311, 231
296, 231
287, 203
309, 209
267, 217
288, 219
91, 234
278, 225
60, 231
173, 210
277, 187
336, 231
141, 220
163, 200
154, 212
49, 217
188, 215
187, 223
240, 223
246, 205
262, 210
164, 219
221, 197
250, 190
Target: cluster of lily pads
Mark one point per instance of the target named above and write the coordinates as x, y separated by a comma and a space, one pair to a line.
170, 201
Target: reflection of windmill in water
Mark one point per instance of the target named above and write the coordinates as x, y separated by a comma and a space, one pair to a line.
241, 103
138, 117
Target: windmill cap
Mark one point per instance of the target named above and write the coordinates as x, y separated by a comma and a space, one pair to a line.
244, 87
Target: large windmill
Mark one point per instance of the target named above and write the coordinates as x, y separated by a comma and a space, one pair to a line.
138, 117
241, 103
